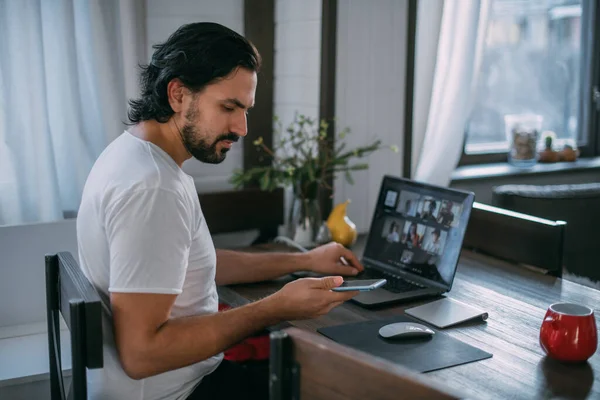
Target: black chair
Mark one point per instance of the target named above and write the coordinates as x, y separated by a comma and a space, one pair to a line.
69, 293
577, 204
517, 237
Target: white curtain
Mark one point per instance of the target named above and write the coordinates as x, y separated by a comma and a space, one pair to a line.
66, 71
459, 52
429, 21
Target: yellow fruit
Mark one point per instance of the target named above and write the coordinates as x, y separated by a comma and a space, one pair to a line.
341, 228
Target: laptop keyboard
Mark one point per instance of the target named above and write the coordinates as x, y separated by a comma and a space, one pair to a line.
395, 283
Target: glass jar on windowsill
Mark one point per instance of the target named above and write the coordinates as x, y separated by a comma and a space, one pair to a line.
522, 133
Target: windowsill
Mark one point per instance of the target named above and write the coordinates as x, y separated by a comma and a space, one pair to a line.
498, 170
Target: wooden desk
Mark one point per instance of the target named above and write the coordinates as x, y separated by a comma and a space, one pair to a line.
516, 300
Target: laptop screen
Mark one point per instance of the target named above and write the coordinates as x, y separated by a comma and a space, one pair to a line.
418, 229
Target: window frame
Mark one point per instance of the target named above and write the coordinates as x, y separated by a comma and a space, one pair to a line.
589, 111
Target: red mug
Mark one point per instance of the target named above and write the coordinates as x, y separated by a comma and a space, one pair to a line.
568, 332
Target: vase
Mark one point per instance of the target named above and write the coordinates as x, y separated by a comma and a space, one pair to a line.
341, 228
522, 131
304, 221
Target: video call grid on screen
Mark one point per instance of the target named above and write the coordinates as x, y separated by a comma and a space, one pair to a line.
414, 227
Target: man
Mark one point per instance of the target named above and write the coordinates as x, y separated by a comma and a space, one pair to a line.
434, 245
446, 216
393, 235
145, 245
428, 214
407, 207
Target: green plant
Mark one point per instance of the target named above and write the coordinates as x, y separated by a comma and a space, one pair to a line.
303, 157
549, 138
548, 141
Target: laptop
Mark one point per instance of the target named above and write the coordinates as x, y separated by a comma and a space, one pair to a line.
414, 241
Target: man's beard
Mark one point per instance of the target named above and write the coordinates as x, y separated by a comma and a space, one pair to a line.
197, 146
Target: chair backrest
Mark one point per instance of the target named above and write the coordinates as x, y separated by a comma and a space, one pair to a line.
246, 209
576, 204
306, 365
517, 237
69, 293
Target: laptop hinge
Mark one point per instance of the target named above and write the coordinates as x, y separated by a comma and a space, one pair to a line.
404, 274
284, 379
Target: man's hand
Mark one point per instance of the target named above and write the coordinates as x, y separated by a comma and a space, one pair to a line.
150, 342
308, 298
333, 259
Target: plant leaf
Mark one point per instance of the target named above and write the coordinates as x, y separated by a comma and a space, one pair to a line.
264, 181
302, 154
349, 177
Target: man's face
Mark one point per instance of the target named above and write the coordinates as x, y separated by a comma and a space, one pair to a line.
215, 118
447, 206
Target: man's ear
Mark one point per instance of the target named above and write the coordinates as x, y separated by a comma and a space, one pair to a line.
175, 92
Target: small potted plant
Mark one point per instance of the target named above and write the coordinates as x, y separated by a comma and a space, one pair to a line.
568, 153
548, 154
302, 158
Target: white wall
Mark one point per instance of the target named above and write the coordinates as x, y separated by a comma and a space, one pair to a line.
297, 63
163, 18
371, 63
297, 58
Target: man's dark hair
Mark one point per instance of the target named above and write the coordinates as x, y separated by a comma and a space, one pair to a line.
198, 54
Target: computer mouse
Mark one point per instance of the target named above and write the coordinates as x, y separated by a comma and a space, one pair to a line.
405, 330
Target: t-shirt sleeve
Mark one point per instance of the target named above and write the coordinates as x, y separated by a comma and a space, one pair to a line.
149, 236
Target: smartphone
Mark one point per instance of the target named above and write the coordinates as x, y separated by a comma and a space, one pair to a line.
362, 286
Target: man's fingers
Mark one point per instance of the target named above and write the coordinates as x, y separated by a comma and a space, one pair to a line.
330, 282
351, 259
343, 296
344, 270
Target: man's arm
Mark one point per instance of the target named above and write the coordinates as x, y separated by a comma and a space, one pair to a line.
150, 343
240, 267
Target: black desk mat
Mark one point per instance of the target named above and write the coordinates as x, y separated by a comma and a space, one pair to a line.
421, 354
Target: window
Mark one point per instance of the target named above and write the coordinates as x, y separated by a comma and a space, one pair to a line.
536, 60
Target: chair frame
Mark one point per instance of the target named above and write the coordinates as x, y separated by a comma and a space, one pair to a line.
70, 294
532, 241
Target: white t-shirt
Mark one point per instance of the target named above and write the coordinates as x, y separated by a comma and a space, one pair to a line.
432, 247
393, 237
140, 229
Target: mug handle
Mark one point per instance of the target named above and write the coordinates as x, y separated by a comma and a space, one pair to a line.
553, 322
